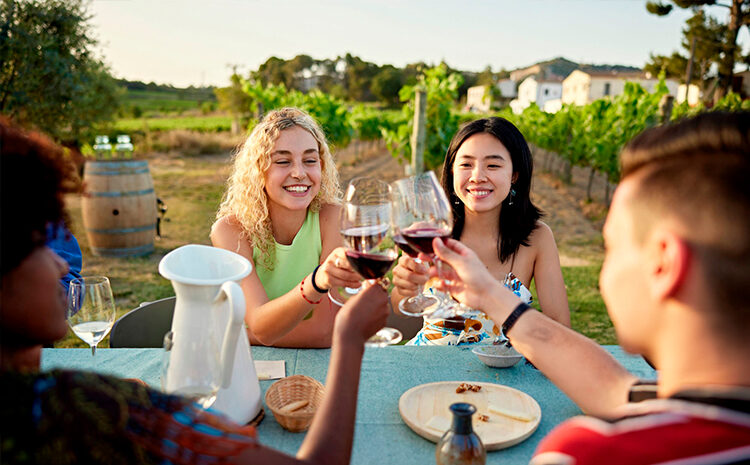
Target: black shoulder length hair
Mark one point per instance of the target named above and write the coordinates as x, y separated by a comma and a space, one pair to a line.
517, 220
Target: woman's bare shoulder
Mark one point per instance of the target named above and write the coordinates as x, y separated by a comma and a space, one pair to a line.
542, 228
330, 212
226, 225
226, 233
329, 228
329, 218
542, 238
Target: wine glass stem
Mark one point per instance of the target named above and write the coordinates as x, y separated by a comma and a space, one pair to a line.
439, 266
93, 350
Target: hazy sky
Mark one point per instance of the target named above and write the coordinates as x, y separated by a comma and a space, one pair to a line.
185, 42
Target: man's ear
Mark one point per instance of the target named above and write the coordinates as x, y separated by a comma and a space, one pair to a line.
669, 261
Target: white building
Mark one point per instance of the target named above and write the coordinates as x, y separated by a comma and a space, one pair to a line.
507, 88
536, 91
583, 87
520, 74
742, 83
478, 99
552, 106
693, 97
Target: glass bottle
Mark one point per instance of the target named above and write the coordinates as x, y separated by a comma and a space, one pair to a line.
460, 445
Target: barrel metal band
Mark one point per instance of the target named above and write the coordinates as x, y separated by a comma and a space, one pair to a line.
121, 193
122, 230
117, 173
123, 251
116, 164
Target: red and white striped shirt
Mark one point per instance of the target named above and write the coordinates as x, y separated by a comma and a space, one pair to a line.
686, 430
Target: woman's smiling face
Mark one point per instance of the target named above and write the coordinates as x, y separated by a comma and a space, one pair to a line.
293, 179
482, 173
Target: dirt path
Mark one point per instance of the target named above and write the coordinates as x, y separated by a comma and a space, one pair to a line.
578, 239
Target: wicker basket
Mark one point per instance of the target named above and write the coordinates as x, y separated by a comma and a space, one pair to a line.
292, 389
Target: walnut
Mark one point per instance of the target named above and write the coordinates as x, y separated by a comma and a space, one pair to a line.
463, 387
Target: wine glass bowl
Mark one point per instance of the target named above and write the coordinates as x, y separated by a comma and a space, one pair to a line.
365, 226
421, 212
91, 309
199, 379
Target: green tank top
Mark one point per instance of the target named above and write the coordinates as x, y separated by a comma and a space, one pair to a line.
292, 262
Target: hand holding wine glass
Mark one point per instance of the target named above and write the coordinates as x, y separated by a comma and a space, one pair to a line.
403, 217
370, 250
335, 271
424, 214
91, 309
365, 227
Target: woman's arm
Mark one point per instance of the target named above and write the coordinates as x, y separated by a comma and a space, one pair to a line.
550, 287
272, 322
329, 440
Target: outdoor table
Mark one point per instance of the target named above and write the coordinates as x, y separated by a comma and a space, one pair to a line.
387, 372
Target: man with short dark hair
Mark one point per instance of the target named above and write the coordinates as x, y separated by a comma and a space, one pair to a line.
675, 280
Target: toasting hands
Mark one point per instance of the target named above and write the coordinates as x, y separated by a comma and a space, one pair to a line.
335, 271
466, 279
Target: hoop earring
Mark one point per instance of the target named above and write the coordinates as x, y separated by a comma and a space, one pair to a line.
510, 197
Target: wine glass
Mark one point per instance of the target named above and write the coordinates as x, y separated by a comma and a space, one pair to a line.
197, 377
423, 214
91, 309
365, 226
421, 303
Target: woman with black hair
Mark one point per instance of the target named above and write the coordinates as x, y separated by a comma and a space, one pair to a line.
487, 178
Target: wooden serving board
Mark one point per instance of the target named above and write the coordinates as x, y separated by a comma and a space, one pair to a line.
425, 409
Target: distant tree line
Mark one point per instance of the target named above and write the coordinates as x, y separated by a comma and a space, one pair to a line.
351, 78
205, 93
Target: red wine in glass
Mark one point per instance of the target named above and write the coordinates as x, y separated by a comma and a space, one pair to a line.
421, 238
403, 245
364, 238
370, 266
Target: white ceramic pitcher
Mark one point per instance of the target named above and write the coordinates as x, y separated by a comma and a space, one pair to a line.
206, 283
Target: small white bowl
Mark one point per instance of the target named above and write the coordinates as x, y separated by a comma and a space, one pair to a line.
497, 356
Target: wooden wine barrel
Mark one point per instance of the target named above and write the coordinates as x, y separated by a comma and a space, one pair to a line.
119, 208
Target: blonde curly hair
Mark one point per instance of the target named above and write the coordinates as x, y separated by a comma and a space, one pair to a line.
245, 200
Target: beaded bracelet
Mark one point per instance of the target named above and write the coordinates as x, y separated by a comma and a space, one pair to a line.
302, 292
513, 317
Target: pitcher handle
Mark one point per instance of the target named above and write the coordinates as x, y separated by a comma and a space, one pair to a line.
232, 292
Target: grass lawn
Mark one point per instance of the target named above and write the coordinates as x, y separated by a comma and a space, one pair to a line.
192, 188
211, 123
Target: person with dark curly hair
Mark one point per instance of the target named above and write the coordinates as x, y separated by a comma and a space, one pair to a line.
77, 417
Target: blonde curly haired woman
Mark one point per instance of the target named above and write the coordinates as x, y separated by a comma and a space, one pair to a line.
281, 211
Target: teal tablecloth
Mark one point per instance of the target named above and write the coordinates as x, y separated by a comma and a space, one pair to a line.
380, 436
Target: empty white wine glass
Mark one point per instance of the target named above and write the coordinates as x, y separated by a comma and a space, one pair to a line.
197, 378
91, 309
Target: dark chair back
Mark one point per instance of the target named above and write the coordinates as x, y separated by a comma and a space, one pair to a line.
144, 326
